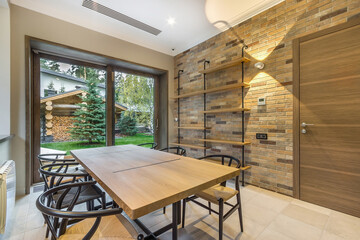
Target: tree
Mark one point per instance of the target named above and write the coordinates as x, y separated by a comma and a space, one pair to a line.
89, 123
127, 125
137, 93
51, 65
87, 73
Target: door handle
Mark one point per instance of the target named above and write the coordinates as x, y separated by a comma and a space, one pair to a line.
304, 124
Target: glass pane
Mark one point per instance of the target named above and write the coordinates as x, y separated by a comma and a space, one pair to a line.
134, 109
72, 107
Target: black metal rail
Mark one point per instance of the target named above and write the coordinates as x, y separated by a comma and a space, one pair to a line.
178, 110
243, 115
205, 62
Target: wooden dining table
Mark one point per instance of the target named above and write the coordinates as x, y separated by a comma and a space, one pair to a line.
142, 180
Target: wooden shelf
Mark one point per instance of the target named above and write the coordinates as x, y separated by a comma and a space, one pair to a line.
189, 146
245, 168
194, 127
216, 89
225, 141
225, 65
223, 110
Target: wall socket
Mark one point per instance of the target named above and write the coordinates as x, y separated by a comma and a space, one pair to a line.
261, 136
261, 101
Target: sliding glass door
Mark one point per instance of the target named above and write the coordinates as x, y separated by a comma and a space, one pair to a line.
134, 109
72, 107
78, 105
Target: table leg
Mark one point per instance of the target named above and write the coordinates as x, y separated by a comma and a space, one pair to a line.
175, 219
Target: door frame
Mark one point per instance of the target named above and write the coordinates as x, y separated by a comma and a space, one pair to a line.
296, 95
32, 58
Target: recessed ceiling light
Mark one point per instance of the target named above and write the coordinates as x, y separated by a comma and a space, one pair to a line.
171, 21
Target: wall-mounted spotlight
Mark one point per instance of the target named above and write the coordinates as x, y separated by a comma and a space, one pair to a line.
259, 65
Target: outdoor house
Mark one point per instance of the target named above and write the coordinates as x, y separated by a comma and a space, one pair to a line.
57, 113
62, 83
181, 119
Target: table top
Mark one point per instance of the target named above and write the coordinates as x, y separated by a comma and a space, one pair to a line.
142, 180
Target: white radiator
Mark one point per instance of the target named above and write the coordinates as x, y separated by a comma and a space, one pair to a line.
7, 192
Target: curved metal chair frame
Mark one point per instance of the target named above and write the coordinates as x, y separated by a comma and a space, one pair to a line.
58, 228
221, 202
54, 176
178, 150
52, 158
153, 145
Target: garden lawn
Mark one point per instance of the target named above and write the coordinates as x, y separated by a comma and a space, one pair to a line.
67, 146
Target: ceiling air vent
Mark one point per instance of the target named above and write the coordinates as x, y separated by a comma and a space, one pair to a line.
97, 7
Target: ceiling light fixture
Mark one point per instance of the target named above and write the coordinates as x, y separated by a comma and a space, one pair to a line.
171, 21
259, 65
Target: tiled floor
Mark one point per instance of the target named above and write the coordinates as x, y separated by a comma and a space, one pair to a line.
267, 216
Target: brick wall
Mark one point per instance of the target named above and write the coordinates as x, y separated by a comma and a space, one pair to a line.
269, 36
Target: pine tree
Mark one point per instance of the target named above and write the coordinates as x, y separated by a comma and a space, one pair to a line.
127, 125
89, 123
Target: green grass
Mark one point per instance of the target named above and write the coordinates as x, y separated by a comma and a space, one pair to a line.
67, 146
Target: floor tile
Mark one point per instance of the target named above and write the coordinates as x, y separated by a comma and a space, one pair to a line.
295, 229
270, 202
311, 206
272, 235
38, 233
258, 214
329, 236
343, 225
306, 215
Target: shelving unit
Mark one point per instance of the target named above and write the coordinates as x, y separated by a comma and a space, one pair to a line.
189, 146
213, 90
179, 127
225, 141
194, 128
226, 65
224, 110
241, 85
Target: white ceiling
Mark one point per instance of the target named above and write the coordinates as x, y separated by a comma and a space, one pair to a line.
193, 18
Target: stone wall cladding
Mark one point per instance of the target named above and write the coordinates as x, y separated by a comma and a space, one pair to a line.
269, 36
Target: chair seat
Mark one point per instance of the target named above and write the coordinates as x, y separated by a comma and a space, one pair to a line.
111, 227
216, 192
87, 194
80, 170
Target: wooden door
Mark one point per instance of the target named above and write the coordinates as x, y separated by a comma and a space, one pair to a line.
329, 98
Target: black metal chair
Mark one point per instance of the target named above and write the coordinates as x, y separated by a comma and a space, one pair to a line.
95, 224
219, 194
51, 158
60, 158
176, 150
55, 175
153, 145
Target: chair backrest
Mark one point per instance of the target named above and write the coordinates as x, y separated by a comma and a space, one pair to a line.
152, 145
176, 150
57, 174
51, 158
62, 216
226, 160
